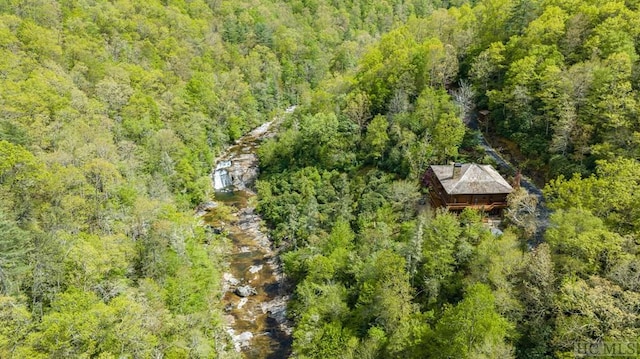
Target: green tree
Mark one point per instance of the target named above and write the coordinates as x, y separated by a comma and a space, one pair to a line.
21, 180
376, 139
472, 328
384, 296
537, 290
17, 323
438, 251
609, 194
15, 247
435, 118
590, 310
582, 242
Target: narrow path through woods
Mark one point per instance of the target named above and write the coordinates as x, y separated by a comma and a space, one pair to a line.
542, 211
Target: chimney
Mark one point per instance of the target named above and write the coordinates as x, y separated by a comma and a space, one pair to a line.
457, 168
516, 179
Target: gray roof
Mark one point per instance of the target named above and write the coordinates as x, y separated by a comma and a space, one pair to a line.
473, 179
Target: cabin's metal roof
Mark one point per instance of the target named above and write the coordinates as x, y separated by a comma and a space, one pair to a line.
473, 179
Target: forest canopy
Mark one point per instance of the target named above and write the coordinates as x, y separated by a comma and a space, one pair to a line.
112, 113
378, 276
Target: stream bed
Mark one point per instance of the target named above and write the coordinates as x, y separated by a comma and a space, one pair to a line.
255, 290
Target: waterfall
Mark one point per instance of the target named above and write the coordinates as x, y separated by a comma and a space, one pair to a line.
221, 177
258, 324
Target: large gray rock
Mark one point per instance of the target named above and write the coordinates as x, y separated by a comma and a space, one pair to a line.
230, 279
244, 171
243, 340
240, 341
245, 291
277, 309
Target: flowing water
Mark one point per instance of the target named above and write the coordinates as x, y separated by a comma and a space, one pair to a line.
221, 177
256, 292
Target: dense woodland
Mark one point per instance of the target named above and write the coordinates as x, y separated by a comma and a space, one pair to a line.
112, 112
376, 276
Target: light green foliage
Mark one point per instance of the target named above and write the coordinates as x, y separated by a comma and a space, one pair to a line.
411, 337
21, 179
401, 66
82, 325
594, 309
435, 118
111, 114
610, 194
548, 28
17, 323
472, 328
15, 246
561, 85
384, 292
96, 261
438, 251
498, 260
358, 109
591, 238
487, 64
194, 287
537, 290
493, 17
320, 140
330, 341
375, 141
558, 79
395, 80
583, 242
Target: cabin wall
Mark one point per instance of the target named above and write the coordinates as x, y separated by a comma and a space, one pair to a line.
440, 198
481, 199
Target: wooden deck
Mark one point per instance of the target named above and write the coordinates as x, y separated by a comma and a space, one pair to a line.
438, 201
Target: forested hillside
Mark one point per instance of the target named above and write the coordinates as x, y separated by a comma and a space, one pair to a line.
111, 113
377, 276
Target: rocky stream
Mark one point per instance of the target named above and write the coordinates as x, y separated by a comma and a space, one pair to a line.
256, 292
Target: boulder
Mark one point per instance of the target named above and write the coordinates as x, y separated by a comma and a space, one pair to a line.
230, 279
243, 340
245, 291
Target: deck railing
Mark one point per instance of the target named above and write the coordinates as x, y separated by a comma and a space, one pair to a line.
482, 206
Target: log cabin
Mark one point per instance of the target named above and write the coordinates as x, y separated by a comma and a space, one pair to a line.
459, 186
